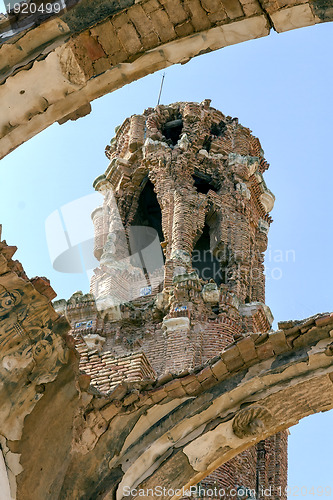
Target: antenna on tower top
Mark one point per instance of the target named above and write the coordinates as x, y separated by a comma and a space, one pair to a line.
159, 95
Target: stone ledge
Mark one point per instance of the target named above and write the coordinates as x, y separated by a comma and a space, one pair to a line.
241, 355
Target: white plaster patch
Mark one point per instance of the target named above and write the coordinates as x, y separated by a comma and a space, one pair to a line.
211, 296
173, 324
16, 362
204, 152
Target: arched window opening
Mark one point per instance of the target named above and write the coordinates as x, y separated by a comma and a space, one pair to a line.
149, 211
218, 129
203, 184
204, 261
172, 131
146, 233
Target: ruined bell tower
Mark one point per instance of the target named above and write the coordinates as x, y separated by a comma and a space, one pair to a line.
191, 179
180, 240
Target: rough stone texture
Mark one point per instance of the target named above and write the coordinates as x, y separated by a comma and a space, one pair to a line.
52, 70
37, 380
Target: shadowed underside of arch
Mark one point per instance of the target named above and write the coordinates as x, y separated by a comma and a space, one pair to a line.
60, 439
51, 72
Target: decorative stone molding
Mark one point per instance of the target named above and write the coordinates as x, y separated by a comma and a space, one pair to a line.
251, 421
267, 199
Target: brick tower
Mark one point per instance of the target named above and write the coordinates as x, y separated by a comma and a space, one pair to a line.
180, 239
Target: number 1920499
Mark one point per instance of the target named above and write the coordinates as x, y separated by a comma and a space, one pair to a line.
33, 8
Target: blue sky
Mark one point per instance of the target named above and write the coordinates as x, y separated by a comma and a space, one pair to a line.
281, 88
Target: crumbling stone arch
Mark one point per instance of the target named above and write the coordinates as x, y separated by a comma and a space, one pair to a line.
53, 71
189, 426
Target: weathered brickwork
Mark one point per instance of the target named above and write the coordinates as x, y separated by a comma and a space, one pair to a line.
191, 179
107, 430
200, 190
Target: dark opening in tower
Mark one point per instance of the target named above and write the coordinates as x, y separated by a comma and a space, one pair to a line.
218, 129
203, 184
172, 131
149, 211
145, 233
204, 261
